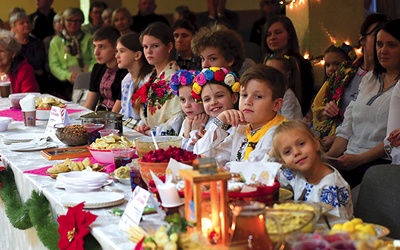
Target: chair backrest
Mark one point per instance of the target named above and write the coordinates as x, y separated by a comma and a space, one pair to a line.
82, 81
379, 198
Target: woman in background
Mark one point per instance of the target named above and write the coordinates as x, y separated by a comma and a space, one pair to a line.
70, 53
279, 39
14, 66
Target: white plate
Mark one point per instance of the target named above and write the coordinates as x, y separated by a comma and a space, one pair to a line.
61, 185
23, 137
93, 199
35, 148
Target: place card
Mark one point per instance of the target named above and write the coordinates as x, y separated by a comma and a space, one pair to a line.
134, 210
57, 115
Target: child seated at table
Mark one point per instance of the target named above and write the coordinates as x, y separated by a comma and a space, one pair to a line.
181, 85
295, 145
217, 88
261, 93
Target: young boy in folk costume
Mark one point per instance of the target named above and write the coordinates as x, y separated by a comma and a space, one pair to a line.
261, 97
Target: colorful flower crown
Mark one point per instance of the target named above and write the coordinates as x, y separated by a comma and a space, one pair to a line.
214, 75
182, 77
347, 49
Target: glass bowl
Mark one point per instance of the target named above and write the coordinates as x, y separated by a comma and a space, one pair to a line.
145, 144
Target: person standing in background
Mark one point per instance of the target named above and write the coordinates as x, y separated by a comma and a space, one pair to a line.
70, 53
42, 19
146, 16
95, 20
32, 48
269, 8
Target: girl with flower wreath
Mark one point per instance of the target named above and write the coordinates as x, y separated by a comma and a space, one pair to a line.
130, 56
160, 108
181, 85
217, 88
342, 86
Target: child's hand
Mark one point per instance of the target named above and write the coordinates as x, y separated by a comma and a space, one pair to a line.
144, 129
188, 124
199, 121
331, 109
327, 142
394, 137
199, 134
232, 117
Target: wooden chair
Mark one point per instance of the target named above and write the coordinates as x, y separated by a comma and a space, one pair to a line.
379, 198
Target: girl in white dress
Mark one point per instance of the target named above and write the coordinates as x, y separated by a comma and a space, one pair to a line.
311, 179
217, 88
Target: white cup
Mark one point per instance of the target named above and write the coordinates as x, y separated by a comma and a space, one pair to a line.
169, 195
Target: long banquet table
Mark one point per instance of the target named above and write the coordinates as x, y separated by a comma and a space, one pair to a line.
105, 229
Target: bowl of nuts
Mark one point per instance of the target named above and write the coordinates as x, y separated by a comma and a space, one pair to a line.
73, 135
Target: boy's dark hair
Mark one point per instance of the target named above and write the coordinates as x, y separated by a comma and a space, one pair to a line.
185, 24
275, 80
107, 33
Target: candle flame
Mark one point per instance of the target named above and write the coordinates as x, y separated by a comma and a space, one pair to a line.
206, 224
306, 55
359, 51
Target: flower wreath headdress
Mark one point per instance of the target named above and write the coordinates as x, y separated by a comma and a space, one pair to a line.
214, 75
347, 49
182, 77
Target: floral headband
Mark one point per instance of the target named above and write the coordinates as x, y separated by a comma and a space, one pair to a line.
214, 75
182, 77
347, 49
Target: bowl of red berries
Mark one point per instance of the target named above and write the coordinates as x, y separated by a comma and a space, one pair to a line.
157, 161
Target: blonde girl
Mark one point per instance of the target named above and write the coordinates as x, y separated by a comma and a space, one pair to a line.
295, 145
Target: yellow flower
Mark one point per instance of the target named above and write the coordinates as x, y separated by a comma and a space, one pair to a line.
236, 87
196, 88
213, 69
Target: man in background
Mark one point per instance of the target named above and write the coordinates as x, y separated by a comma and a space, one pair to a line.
42, 19
146, 15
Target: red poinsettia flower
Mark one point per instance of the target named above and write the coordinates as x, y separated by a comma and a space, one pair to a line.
73, 227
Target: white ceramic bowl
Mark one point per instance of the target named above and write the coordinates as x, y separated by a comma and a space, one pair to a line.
15, 98
87, 177
102, 155
4, 121
42, 114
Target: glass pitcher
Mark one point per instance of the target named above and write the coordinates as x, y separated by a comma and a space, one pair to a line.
248, 226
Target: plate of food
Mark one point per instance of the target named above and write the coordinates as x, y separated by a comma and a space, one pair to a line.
381, 231
122, 175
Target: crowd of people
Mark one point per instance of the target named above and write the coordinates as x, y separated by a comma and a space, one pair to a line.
193, 79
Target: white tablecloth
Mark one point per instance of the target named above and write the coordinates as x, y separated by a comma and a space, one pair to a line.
104, 229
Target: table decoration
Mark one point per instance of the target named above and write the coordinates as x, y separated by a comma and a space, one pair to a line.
35, 212
73, 227
218, 228
16, 114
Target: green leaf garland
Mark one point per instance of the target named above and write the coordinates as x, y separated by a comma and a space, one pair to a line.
35, 212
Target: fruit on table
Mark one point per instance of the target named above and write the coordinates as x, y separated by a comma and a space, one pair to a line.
356, 225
